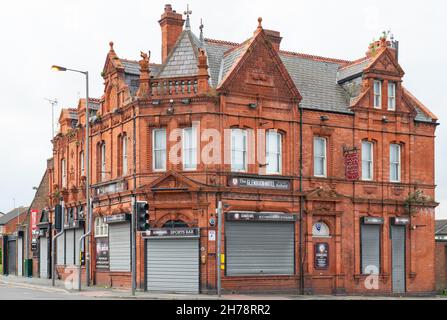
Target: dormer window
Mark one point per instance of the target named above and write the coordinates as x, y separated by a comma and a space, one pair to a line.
391, 96
377, 94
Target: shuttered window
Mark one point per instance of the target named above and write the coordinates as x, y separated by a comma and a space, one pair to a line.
60, 244
119, 247
370, 247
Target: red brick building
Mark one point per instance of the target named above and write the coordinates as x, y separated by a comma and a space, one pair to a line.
441, 255
325, 168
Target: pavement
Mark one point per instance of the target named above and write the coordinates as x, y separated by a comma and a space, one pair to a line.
21, 288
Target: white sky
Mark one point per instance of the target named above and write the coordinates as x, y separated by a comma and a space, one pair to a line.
36, 34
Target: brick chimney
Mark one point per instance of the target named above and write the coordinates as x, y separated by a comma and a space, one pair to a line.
171, 27
274, 37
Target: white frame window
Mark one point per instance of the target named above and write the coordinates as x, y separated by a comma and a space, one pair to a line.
377, 94
159, 149
367, 161
321, 230
239, 139
273, 152
391, 96
103, 161
320, 157
101, 228
124, 160
82, 163
395, 162
63, 173
189, 151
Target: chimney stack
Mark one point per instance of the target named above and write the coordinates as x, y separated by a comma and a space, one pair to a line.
274, 37
171, 27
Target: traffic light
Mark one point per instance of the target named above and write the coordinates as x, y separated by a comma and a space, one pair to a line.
142, 216
58, 217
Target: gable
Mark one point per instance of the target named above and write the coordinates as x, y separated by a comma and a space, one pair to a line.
173, 181
256, 69
385, 63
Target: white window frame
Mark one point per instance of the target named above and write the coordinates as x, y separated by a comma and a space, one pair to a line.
155, 150
324, 157
398, 163
276, 153
64, 173
82, 163
101, 228
103, 161
236, 133
124, 167
192, 150
392, 98
370, 161
377, 95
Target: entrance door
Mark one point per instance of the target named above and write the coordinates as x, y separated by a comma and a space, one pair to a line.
43, 259
69, 247
12, 257
119, 247
172, 265
19, 257
398, 258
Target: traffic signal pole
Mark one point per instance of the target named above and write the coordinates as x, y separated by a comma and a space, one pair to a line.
53, 241
134, 247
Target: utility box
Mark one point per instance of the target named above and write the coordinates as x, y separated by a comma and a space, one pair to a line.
28, 268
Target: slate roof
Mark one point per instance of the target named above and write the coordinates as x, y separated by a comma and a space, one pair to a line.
12, 215
352, 70
441, 227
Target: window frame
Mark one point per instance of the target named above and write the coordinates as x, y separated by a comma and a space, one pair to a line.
398, 163
277, 153
103, 164
371, 161
392, 107
319, 138
193, 149
82, 163
379, 94
124, 157
244, 135
64, 173
101, 228
155, 150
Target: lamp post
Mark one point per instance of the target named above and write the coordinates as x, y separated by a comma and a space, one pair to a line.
87, 184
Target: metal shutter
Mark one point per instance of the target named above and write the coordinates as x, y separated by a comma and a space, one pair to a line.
12, 255
119, 247
44, 258
256, 248
60, 246
370, 249
79, 233
19, 257
69, 247
398, 257
173, 266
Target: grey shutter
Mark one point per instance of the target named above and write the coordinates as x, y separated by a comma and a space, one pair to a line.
398, 257
43, 258
256, 248
370, 246
60, 246
12, 255
119, 247
69, 247
173, 266
19, 256
79, 233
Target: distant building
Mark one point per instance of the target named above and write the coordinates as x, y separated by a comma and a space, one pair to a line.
441, 254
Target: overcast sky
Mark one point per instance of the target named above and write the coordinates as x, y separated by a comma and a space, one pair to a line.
36, 34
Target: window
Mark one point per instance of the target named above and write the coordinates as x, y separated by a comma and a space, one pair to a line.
320, 230
189, 149
63, 173
103, 162
101, 228
367, 161
124, 154
391, 96
238, 150
82, 163
159, 149
395, 157
377, 94
175, 224
319, 157
273, 152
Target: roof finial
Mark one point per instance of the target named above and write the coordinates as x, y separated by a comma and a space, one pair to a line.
260, 23
188, 22
111, 45
201, 31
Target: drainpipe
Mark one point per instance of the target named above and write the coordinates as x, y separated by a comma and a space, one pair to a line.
301, 204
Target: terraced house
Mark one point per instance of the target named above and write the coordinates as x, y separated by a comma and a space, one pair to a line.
325, 168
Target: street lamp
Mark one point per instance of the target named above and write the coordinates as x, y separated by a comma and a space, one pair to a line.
87, 186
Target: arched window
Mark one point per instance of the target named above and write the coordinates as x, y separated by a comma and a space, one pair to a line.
175, 224
101, 228
320, 230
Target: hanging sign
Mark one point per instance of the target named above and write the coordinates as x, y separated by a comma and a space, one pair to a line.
321, 256
352, 165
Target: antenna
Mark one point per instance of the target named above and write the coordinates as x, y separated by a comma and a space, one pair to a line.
53, 103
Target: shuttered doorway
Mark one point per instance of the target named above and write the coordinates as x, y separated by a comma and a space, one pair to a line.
78, 234
260, 248
370, 246
172, 265
60, 246
12, 255
69, 247
43, 258
398, 258
119, 247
